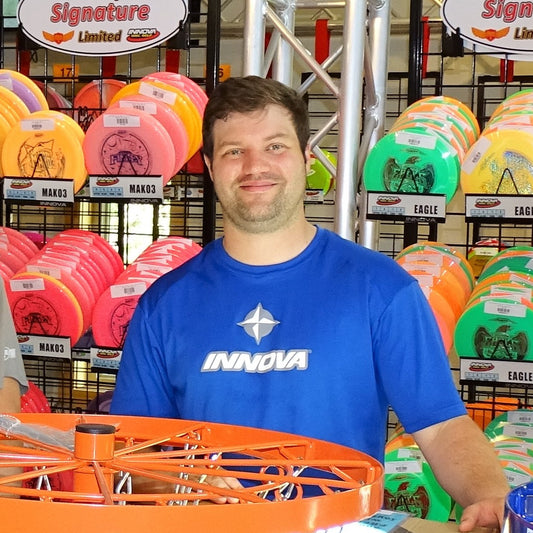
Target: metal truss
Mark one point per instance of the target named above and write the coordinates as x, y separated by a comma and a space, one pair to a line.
363, 53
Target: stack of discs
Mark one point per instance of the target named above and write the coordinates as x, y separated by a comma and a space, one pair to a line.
16, 249
25, 88
12, 110
45, 144
319, 177
511, 434
500, 161
410, 485
93, 98
446, 279
184, 97
497, 322
55, 292
114, 308
424, 149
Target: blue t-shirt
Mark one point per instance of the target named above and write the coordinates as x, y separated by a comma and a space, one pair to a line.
318, 346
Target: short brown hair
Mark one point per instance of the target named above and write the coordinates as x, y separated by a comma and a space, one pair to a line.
252, 93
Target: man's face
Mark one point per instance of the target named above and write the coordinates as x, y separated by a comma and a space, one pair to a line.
258, 169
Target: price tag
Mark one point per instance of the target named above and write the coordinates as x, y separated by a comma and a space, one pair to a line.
126, 187
65, 71
383, 205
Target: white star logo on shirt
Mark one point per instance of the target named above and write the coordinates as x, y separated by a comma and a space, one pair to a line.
258, 323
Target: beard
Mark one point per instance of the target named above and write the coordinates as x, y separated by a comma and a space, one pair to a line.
263, 215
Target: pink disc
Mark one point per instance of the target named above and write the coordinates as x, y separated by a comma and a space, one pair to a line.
129, 143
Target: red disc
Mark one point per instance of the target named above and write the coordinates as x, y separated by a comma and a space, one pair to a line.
107, 250
42, 305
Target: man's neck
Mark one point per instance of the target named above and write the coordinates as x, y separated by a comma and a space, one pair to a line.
268, 248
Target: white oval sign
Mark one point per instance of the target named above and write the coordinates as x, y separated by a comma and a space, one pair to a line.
495, 27
89, 28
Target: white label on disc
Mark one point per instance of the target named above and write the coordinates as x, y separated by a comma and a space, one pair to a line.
516, 478
427, 268
479, 149
112, 120
417, 140
403, 467
127, 289
504, 309
520, 416
410, 453
429, 257
30, 284
48, 271
37, 124
148, 89
523, 432
147, 107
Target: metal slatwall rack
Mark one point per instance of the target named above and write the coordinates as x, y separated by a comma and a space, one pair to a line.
71, 384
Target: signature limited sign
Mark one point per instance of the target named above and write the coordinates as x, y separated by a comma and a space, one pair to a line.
495, 27
90, 28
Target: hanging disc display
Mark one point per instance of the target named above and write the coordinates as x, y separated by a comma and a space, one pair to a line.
499, 163
412, 161
496, 328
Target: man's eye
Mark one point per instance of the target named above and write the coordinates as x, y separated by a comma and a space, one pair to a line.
276, 147
234, 151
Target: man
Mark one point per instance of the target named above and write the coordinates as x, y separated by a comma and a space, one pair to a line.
287, 326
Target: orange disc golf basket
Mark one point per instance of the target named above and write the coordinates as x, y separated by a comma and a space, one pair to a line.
134, 474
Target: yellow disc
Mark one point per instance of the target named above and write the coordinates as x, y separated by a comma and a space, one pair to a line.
177, 100
61, 118
5, 128
44, 148
500, 162
13, 102
30, 85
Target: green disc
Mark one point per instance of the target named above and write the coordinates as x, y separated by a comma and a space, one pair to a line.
412, 161
496, 329
416, 491
521, 264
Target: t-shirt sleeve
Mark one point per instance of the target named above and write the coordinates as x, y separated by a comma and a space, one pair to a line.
142, 386
413, 366
11, 362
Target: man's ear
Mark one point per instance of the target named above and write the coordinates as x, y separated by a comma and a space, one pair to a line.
308, 159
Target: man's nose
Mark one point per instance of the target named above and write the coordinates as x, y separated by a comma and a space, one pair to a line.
255, 162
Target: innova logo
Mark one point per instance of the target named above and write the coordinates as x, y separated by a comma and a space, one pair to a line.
110, 28
494, 27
